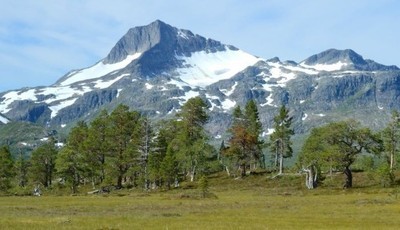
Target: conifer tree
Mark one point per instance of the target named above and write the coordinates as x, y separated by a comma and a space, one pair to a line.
166, 133
71, 163
97, 146
191, 138
242, 142
124, 153
21, 169
254, 127
169, 168
280, 142
6, 168
43, 163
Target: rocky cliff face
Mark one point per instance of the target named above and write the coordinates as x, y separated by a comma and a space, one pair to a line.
156, 68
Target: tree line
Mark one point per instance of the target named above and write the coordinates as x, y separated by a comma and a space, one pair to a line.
125, 149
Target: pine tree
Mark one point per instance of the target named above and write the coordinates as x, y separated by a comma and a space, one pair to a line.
98, 147
169, 168
43, 163
191, 139
166, 133
6, 168
254, 127
242, 142
21, 169
124, 153
280, 142
71, 163
203, 185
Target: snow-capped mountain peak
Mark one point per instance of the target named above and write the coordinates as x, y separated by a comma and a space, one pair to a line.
156, 68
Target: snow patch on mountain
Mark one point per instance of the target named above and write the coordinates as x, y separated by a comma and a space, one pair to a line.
228, 104
180, 84
63, 104
98, 70
101, 84
204, 68
187, 96
282, 75
148, 86
4, 120
326, 67
58, 97
229, 92
12, 96
182, 35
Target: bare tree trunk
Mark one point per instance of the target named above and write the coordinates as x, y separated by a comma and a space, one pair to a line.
192, 173
281, 164
276, 158
391, 161
227, 170
119, 182
349, 178
243, 170
311, 177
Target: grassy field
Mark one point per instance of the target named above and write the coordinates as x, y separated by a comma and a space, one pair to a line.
253, 203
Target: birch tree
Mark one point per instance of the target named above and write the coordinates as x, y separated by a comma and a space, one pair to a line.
391, 140
340, 142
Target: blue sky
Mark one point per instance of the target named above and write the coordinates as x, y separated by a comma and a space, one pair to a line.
40, 41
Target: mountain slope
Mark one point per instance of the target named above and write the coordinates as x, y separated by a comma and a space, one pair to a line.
156, 68
3, 119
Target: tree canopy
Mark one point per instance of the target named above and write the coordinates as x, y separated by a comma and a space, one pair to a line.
336, 145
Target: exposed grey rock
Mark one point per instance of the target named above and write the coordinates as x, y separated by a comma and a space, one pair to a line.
353, 59
151, 84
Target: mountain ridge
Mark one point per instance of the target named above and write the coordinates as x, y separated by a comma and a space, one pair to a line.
156, 68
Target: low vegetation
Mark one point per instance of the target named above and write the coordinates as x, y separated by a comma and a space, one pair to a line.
254, 202
121, 172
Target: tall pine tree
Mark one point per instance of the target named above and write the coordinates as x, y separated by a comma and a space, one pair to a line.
192, 139
254, 127
280, 142
6, 168
124, 151
43, 163
98, 146
71, 163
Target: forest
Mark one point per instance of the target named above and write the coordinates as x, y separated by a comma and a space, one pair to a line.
124, 150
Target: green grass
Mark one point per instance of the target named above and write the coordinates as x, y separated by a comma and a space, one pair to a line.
255, 202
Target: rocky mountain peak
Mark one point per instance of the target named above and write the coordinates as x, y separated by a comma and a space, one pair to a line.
163, 37
332, 56
139, 40
333, 59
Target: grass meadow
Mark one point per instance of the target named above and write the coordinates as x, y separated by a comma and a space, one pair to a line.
256, 202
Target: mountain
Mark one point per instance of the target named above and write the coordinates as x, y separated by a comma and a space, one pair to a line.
332, 59
156, 68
